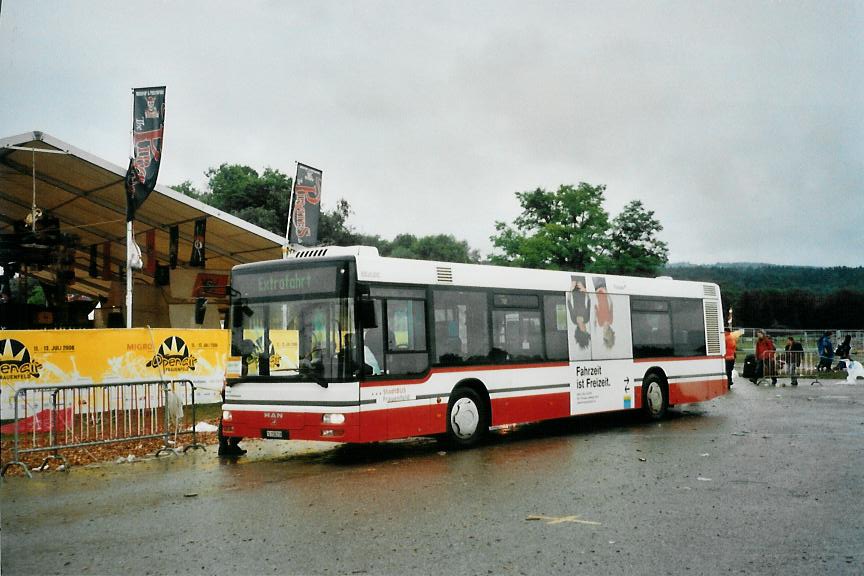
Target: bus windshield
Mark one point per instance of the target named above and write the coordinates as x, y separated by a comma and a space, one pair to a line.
295, 324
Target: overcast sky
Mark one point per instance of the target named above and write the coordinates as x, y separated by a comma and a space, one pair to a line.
741, 124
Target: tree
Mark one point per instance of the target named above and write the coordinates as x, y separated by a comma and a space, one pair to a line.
441, 247
634, 248
239, 190
333, 227
264, 199
186, 187
562, 230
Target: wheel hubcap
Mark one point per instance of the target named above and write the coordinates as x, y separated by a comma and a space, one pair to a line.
655, 398
464, 418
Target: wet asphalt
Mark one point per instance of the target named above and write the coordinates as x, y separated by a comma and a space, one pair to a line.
760, 481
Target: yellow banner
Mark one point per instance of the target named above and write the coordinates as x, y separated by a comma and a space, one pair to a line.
52, 357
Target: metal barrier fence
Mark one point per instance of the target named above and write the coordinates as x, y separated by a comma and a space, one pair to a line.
807, 338
792, 365
82, 415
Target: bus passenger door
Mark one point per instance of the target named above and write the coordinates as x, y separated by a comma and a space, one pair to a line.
396, 356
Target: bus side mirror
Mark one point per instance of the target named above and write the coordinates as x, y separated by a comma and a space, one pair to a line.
366, 311
238, 310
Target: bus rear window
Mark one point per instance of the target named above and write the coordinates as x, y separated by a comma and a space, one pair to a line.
672, 327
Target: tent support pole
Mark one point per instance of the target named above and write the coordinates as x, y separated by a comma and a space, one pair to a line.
129, 278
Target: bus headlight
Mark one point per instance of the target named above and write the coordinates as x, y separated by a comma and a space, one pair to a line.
333, 419
226, 415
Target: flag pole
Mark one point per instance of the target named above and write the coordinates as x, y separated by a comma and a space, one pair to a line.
129, 278
129, 233
286, 244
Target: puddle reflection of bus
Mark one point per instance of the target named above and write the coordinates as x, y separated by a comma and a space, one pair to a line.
348, 346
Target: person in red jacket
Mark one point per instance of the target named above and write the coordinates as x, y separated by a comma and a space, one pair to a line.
765, 357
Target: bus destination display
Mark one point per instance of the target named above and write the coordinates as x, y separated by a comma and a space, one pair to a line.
288, 282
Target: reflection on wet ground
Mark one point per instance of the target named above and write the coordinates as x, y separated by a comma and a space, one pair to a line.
526, 436
741, 465
507, 456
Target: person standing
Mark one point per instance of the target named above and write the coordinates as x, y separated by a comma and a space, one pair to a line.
731, 347
760, 348
765, 358
794, 352
843, 352
826, 351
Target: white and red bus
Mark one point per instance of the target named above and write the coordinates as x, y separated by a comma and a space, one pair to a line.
341, 344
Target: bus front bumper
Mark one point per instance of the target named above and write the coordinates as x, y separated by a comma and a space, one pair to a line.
332, 427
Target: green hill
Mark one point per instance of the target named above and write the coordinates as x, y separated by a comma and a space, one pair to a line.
784, 296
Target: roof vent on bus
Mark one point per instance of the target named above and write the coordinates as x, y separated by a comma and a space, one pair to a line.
313, 253
364, 251
445, 274
709, 290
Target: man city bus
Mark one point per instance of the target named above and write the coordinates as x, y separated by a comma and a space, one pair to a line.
343, 345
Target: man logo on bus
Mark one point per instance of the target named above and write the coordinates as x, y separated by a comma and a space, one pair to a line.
15, 361
173, 356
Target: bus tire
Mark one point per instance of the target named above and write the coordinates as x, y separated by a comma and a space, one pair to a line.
655, 397
467, 421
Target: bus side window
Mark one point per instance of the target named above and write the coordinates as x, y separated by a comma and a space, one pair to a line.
689, 322
555, 320
406, 325
461, 327
373, 343
406, 337
518, 334
651, 324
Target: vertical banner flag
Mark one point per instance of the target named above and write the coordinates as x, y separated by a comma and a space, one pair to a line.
197, 258
303, 227
173, 245
148, 122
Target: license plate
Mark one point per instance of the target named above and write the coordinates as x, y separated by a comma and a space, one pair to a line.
277, 434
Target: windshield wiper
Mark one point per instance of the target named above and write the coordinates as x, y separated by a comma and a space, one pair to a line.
312, 372
306, 372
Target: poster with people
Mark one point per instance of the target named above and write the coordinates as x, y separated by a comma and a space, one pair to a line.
598, 320
579, 318
610, 323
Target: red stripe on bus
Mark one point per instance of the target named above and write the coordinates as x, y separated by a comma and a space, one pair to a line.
676, 359
378, 425
299, 425
521, 409
393, 423
453, 369
430, 419
688, 392
696, 390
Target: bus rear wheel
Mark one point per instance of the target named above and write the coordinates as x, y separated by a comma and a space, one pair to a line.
467, 421
655, 397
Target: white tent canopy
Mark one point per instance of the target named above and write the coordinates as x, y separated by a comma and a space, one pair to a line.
87, 195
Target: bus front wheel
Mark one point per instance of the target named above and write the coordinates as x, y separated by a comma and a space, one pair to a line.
466, 418
655, 397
